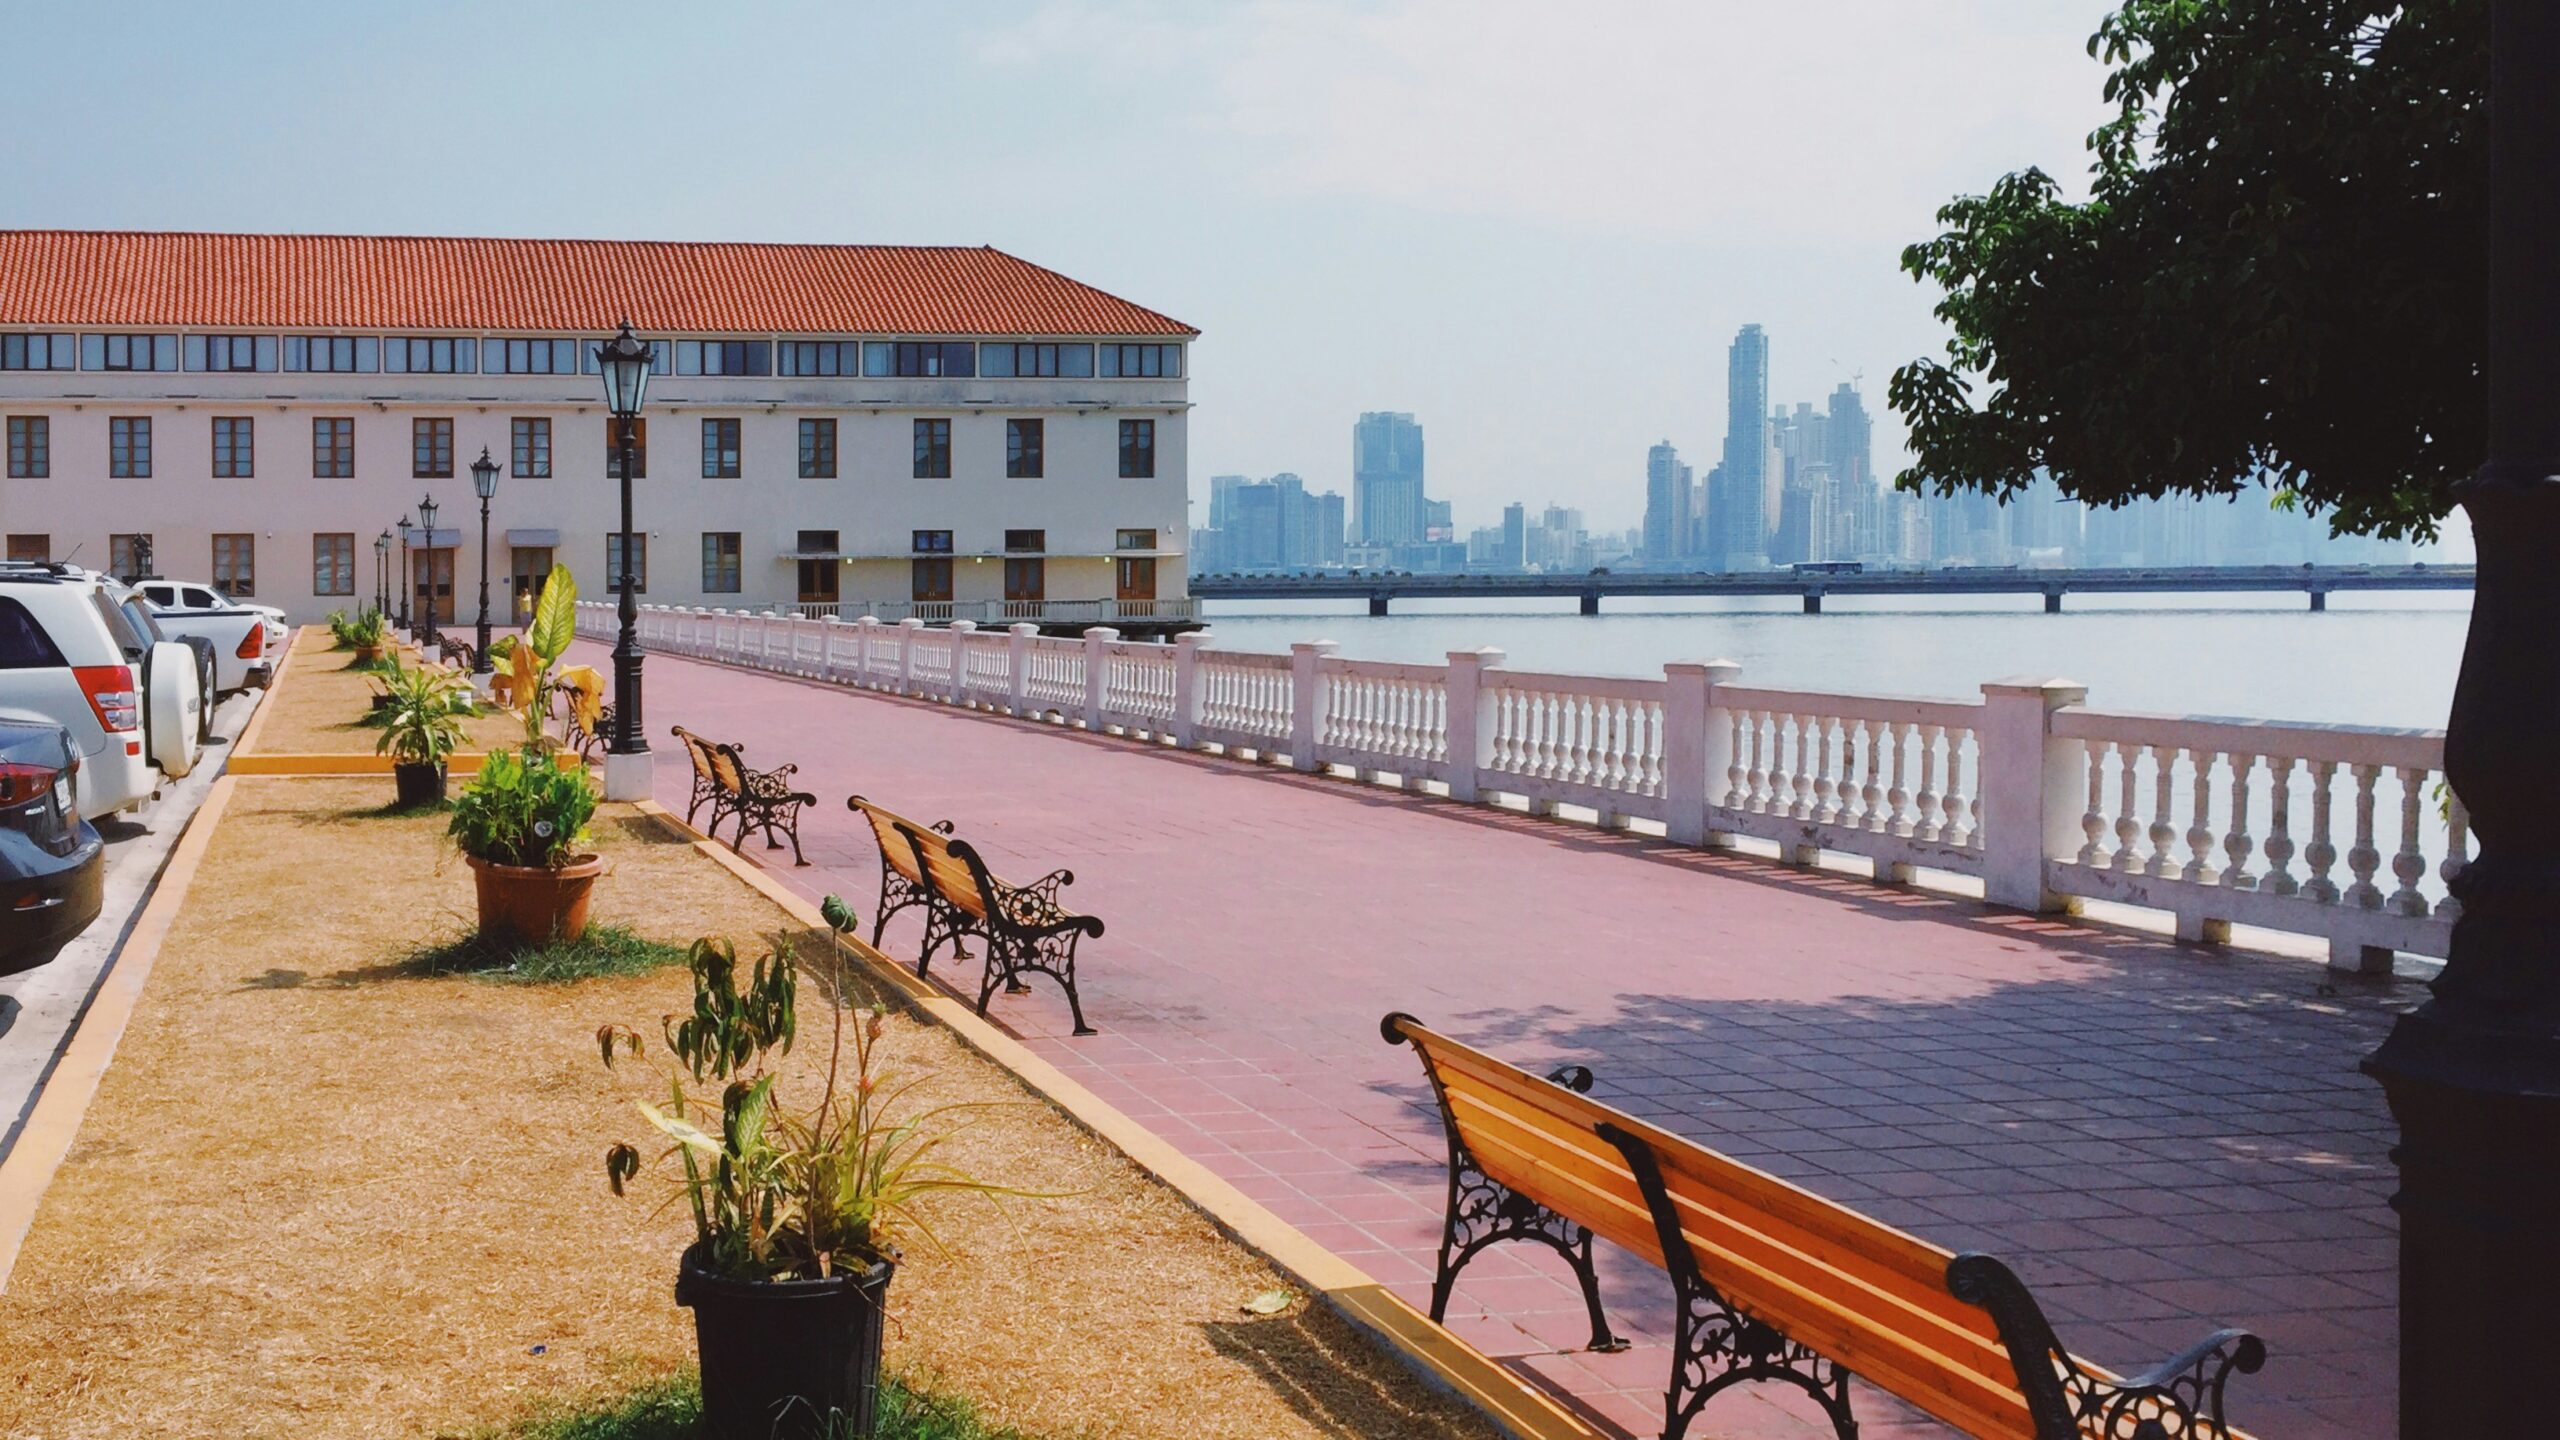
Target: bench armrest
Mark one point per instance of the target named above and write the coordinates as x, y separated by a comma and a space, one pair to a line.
2066, 1396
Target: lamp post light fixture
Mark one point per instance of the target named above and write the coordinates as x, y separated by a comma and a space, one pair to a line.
382, 573
484, 478
624, 363
406, 583
427, 547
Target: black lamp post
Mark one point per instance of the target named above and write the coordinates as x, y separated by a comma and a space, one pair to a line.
427, 548
2473, 1076
405, 583
484, 478
624, 362
382, 573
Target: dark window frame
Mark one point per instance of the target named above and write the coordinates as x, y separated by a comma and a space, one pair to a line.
431, 447
129, 448
529, 447
235, 447
333, 448
1025, 448
723, 557
613, 566
639, 449
30, 447
244, 576
333, 562
818, 447
723, 448
929, 542
1137, 449
933, 449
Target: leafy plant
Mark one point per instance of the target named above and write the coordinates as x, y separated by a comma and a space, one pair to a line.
778, 1194
523, 809
530, 661
337, 621
424, 721
364, 632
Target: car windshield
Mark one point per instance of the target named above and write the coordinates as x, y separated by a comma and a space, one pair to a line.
140, 614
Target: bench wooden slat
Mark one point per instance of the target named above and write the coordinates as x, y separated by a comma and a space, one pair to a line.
893, 847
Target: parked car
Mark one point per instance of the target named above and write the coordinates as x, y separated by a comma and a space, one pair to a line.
69, 654
52, 863
245, 637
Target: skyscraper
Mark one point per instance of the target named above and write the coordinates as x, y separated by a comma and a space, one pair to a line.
1667, 501
1738, 520
1515, 535
1222, 499
1386, 478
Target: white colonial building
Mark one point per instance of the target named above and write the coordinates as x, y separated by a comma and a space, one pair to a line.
892, 430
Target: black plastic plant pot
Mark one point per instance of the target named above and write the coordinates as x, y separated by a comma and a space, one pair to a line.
418, 785
786, 1359
381, 703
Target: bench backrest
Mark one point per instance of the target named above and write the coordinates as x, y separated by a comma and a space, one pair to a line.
1865, 1295
698, 750
913, 850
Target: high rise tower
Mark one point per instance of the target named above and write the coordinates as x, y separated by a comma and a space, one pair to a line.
1738, 526
1386, 478
1667, 500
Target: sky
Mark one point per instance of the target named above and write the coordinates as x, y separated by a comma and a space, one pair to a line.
1536, 226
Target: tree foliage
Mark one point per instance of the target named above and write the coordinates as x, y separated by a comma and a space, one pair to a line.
2277, 275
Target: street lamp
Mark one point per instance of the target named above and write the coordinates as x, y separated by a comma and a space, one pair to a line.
382, 573
484, 478
624, 363
405, 584
427, 606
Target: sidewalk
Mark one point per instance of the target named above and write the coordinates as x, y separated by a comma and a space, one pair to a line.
2161, 1138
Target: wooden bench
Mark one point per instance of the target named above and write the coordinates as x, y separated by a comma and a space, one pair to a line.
756, 799
1025, 928
1775, 1282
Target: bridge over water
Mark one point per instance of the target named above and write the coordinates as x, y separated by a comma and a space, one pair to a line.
1380, 588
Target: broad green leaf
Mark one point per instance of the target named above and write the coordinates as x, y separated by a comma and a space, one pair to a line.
555, 616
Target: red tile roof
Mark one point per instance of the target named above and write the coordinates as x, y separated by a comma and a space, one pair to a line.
390, 282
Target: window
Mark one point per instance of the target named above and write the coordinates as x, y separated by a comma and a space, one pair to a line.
724, 357
933, 449
129, 448
231, 352
1026, 361
819, 357
661, 356
1026, 579
30, 447
1136, 362
431, 449
1137, 449
23, 643
820, 566
720, 450
37, 548
532, 441
919, 358
533, 357
128, 555
1022, 446
817, 449
1134, 540
234, 447
639, 563
235, 564
128, 352
429, 355
929, 579
1031, 540
333, 451
639, 450
333, 354
333, 564
720, 562
931, 542
37, 352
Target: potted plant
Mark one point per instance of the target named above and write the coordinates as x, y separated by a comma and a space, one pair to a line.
364, 635
521, 825
796, 1211
426, 707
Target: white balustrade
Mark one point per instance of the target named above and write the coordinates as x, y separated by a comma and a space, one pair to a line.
1860, 775
1575, 740
1244, 699
1379, 717
1138, 686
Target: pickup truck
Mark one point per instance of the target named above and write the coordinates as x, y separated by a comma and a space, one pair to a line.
246, 639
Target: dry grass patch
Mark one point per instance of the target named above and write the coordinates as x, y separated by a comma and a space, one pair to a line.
323, 1194
318, 708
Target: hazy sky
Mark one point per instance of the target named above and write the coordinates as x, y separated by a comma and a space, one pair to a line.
1534, 225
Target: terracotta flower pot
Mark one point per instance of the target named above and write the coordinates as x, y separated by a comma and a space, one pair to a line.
533, 904
368, 654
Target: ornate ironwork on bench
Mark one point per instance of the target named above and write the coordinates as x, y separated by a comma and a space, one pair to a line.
756, 799
1775, 1282
1025, 928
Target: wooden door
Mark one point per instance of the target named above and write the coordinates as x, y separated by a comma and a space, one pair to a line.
434, 579
530, 566
1137, 577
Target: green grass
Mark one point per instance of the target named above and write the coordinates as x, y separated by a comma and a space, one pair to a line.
603, 950
383, 666
672, 1410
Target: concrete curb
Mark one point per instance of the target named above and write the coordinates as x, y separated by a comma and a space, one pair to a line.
1431, 1350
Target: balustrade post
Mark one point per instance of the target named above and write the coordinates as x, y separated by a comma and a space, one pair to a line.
1097, 673
1017, 666
1186, 686
862, 637
908, 629
1306, 699
1470, 719
1697, 746
960, 631
2031, 785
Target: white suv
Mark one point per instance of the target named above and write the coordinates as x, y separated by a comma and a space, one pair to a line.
69, 654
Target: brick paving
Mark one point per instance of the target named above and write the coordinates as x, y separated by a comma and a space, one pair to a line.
2160, 1137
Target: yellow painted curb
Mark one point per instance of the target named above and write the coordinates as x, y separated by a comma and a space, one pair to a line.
55, 1121
1512, 1403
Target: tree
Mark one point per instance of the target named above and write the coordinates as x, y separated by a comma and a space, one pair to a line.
2273, 279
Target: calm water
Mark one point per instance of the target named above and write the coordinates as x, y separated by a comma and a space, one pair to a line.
2370, 660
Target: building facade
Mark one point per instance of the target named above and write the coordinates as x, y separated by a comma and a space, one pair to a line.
849, 429
1386, 479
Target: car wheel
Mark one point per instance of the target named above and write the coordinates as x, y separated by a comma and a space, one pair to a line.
206, 700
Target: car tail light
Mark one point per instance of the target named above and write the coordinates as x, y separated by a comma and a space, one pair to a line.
253, 644
111, 697
21, 782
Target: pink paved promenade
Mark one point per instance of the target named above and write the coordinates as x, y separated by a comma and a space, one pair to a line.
2161, 1138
